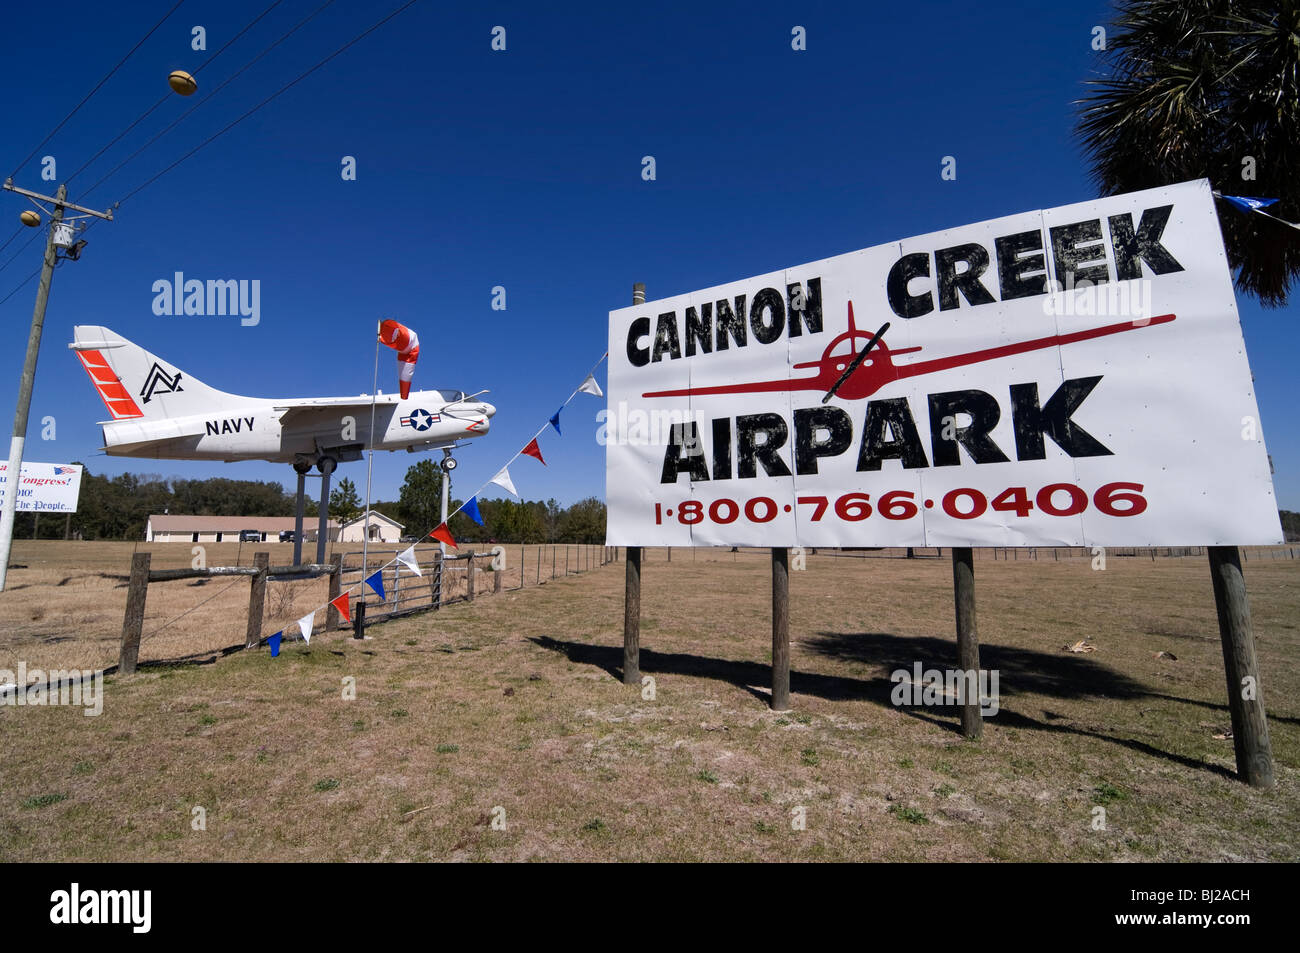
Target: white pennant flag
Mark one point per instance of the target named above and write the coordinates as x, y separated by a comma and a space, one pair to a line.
502, 479
407, 558
305, 624
589, 386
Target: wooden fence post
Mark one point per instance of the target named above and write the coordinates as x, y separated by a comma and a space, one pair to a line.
257, 600
632, 618
968, 645
133, 621
336, 587
1245, 695
469, 578
780, 628
496, 581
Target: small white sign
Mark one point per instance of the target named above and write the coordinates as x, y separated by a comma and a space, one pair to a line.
45, 488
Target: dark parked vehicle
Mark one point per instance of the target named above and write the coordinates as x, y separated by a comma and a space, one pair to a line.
286, 536
249, 536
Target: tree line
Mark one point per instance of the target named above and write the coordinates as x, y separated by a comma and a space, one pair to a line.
117, 508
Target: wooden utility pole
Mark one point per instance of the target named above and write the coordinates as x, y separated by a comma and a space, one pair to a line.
632, 585
1245, 695
780, 629
59, 237
968, 645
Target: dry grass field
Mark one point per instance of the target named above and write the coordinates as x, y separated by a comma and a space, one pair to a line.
64, 609
500, 730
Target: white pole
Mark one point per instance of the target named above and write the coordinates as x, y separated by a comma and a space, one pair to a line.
370, 465
446, 487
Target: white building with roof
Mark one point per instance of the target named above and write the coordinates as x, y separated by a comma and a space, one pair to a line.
379, 528
167, 528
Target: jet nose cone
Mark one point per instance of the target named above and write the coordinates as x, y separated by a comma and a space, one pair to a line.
488, 410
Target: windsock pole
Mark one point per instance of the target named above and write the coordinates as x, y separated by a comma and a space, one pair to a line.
370, 464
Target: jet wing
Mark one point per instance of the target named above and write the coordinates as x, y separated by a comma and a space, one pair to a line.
308, 413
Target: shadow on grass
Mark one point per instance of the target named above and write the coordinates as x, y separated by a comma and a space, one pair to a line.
1026, 670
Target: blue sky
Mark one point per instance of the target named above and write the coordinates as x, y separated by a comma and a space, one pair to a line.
520, 169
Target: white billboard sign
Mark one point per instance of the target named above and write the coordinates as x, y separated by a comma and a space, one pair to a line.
1074, 376
45, 487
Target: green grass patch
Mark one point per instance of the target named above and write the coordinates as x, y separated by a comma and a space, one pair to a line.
43, 800
1107, 793
909, 814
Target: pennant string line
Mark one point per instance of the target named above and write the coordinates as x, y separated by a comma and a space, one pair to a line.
397, 558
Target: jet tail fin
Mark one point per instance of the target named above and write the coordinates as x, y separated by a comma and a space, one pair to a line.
135, 383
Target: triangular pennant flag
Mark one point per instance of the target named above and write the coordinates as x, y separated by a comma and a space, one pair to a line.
470, 509
1248, 203
443, 534
376, 582
407, 558
305, 624
589, 386
555, 421
502, 479
274, 642
533, 450
340, 602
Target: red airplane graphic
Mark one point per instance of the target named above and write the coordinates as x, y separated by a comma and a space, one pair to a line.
879, 369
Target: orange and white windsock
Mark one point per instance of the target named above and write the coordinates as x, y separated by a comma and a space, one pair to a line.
407, 345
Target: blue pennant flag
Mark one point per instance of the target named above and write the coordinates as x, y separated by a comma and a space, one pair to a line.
470, 509
1248, 204
274, 642
555, 421
376, 582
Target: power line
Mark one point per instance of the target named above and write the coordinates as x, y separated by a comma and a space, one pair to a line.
23, 284
26, 281
148, 112
283, 89
166, 96
185, 115
87, 97
252, 23
21, 248
10, 239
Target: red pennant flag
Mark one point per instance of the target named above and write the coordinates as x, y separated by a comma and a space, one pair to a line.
341, 603
533, 450
444, 535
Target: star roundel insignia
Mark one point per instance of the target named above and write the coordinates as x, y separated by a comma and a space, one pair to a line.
421, 419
